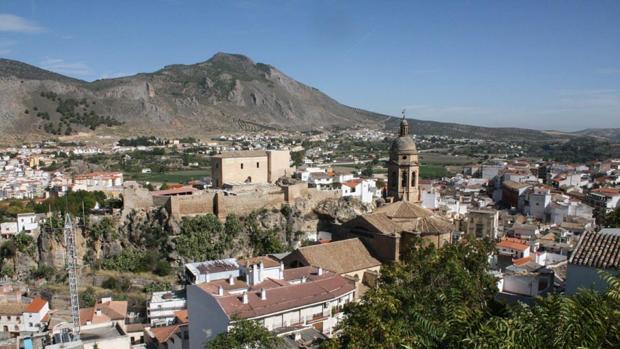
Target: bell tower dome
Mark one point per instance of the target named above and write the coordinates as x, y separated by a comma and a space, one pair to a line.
403, 167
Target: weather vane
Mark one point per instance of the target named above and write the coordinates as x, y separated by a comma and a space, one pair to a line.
403, 112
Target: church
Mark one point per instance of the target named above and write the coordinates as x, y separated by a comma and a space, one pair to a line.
403, 167
392, 228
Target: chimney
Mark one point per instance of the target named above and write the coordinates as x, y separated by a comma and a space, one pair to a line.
320, 271
231, 280
281, 270
263, 294
244, 298
98, 312
261, 271
220, 291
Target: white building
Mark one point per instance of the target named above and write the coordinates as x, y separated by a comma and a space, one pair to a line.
98, 181
163, 306
27, 222
221, 269
36, 316
595, 252
267, 293
513, 248
363, 189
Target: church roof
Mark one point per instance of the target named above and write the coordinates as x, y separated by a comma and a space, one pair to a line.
404, 210
434, 225
404, 144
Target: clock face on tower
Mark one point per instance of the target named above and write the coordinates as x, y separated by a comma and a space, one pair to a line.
403, 167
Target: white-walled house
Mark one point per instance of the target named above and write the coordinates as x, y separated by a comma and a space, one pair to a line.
275, 297
363, 189
595, 252
199, 272
27, 222
163, 307
514, 248
36, 316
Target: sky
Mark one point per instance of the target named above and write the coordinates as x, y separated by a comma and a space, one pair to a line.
534, 64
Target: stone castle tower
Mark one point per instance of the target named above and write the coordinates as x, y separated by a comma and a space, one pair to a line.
403, 167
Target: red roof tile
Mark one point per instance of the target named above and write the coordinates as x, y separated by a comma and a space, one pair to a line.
36, 305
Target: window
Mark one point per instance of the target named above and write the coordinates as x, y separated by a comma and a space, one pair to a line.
404, 157
413, 179
403, 181
242, 165
257, 164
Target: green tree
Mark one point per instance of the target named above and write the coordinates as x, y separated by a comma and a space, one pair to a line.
612, 219
443, 298
88, 298
245, 334
201, 238
298, 157
431, 298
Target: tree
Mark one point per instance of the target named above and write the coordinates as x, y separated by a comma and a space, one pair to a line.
88, 298
431, 298
201, 238
444, 298
612, 219
298, 157
245, 334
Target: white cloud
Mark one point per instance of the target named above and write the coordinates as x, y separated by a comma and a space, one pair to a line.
114, 75
16, 24
68, 68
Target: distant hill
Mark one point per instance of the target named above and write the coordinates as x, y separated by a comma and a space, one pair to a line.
228, 92
605, 133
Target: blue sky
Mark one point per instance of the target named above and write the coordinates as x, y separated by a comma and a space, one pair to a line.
536, 64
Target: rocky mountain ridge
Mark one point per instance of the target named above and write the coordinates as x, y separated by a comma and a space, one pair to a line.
228, 92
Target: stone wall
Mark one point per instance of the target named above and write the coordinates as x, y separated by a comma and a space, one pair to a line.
190, 205
136, 197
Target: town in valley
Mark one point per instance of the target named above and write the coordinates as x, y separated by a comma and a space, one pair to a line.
452, 181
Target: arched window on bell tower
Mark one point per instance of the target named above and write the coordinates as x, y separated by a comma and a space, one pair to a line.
413, 176
403, 180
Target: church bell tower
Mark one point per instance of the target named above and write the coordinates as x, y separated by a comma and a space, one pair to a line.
403, 167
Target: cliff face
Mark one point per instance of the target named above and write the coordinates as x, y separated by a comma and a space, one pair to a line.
225, 93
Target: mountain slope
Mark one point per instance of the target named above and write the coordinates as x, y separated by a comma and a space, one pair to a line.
228, 92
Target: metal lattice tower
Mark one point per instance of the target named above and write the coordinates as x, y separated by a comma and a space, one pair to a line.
71, 261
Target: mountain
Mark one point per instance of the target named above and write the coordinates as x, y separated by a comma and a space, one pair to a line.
605, 133
225, 93
228, 92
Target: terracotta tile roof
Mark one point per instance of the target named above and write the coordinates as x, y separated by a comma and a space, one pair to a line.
514, 185
522, 261
343, 256
110, 311
134, 327
434, 225
12, 308
174, 191
267, 261
36, 305
182, 316
284, 296
163, 334
598, 250
404, 209
609, 192
514, 244
353, 183
382, 223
